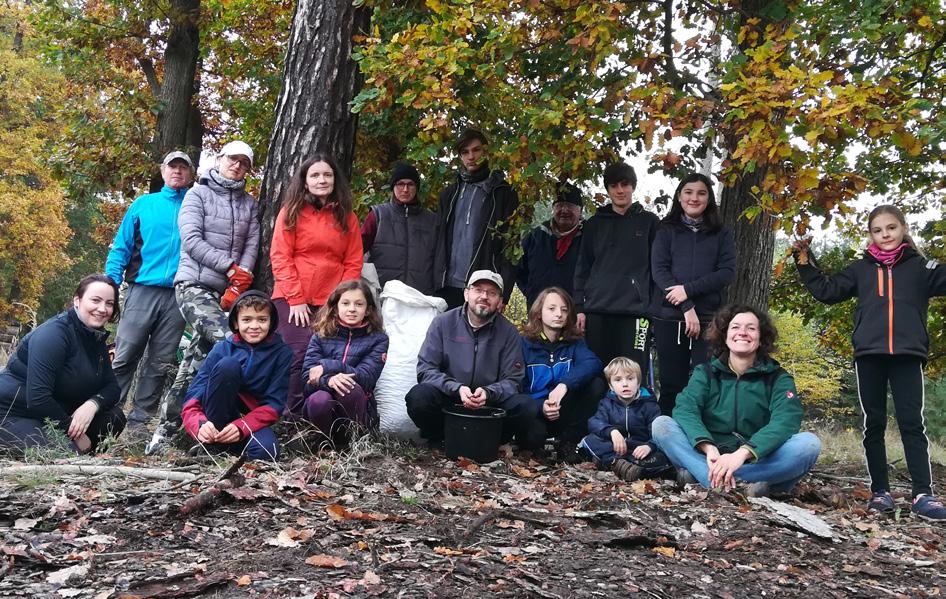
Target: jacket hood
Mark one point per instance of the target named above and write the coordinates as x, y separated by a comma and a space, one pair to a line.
273, 315
761, 366
608, 210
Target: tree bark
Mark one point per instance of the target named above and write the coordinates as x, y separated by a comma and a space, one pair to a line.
755, 243
755, 240
313, 113
177, 91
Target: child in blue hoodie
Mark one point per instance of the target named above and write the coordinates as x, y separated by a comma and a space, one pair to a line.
241, 388
619, 433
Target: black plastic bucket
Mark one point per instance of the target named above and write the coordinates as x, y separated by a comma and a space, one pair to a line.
473, 434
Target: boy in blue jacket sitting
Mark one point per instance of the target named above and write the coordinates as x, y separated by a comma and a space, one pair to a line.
619, 433
241, 388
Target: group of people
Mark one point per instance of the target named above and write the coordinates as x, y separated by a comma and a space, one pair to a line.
598, 290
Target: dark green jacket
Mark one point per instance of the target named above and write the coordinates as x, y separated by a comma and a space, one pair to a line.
732, 412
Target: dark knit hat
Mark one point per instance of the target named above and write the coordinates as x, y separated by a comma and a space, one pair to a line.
403, 170
467, 136
566, 192
235, 310
619, 171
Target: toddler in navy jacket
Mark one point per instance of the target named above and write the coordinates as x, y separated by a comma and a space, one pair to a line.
240, 390
619, 433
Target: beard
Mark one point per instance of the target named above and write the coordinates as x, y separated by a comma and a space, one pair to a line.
482, 311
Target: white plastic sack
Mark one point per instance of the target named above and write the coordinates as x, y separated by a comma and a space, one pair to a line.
407, 314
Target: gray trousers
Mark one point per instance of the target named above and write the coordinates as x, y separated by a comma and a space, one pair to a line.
150, 321
201, 309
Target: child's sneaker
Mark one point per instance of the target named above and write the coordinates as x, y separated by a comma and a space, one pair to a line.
928, 508
881, 502
626, 470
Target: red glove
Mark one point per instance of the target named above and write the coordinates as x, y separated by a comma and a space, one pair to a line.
229, 297
239, 277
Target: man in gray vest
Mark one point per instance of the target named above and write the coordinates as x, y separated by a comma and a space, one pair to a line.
400, 236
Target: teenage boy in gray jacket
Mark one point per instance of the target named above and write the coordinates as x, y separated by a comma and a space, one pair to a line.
473, 356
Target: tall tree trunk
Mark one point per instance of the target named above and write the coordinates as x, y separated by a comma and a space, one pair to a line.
320, 79
755, 243
177, 91
755, 240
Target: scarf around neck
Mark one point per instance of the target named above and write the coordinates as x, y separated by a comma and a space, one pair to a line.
476, 176
224, 182
693, 224
887, 257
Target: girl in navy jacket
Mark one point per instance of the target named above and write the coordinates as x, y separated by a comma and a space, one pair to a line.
60, 374
343, 362
892, 283
562, 374
693, 259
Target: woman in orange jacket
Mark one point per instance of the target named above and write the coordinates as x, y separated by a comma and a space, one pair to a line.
316, 245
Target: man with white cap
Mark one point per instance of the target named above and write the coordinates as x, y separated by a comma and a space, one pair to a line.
473, 356
220, 236
144, 255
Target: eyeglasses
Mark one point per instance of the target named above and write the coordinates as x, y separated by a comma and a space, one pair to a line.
490, 293
405, 184
241, 161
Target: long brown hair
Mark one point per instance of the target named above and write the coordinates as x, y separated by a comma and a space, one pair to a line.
326, 322
533, 328
298, 196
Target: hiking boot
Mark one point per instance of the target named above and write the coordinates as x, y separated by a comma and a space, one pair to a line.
881, 502
759, 489
626, 470
569, 453
684, 478
928, 508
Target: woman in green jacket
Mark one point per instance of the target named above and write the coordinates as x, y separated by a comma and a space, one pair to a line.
739, 416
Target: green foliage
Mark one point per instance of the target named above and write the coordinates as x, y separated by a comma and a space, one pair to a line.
31, 214
817, 372
935, 409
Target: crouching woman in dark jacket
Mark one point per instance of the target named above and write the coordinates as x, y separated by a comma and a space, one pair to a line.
739, 416
60, 373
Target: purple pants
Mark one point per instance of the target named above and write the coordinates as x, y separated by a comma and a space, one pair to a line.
297, 338
332, 413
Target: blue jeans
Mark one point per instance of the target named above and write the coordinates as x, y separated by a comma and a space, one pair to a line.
782, 468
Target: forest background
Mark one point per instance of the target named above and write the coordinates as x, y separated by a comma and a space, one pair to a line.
806, 112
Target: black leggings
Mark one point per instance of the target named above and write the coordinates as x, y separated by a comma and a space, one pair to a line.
613, 335
677, 355
905, 376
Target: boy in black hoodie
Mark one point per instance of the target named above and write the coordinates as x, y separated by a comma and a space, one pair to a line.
612, 279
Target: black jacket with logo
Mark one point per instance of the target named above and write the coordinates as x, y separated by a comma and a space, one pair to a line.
613, 272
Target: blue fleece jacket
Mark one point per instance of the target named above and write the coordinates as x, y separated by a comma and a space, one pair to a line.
548, 364
147, 247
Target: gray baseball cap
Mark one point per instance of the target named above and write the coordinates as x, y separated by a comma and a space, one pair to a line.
486, 275
177, 155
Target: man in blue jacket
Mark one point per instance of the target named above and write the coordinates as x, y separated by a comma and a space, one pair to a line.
145, 254
472, 356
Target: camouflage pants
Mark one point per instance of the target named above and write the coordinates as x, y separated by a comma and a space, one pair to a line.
201, 309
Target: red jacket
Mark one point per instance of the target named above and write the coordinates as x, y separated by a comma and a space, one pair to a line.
312, 259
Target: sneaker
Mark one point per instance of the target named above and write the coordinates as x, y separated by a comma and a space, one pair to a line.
626, 470
881, 502
759, 489
684, 478
928, 508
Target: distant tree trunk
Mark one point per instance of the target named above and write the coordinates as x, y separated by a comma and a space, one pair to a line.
755, 243
176, 93
320, 79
